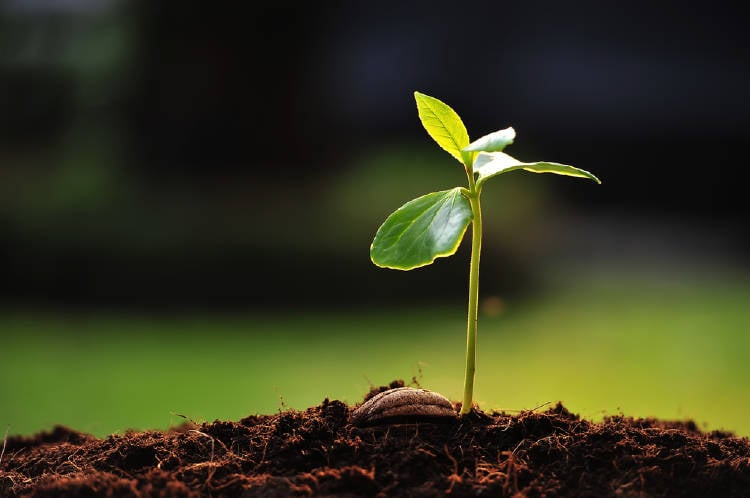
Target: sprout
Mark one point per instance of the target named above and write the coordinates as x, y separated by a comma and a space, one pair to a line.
433, 225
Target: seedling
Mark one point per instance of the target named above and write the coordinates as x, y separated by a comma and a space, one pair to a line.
433, 225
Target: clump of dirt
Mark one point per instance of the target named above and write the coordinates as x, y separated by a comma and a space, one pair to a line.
316, 452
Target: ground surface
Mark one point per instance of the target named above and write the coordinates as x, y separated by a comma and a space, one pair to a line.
548, 452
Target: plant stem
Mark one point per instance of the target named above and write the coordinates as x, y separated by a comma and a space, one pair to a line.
472, 318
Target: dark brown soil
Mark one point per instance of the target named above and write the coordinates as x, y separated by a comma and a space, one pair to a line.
317, 453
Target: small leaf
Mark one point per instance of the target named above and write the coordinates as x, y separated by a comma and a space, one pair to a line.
489, 164
494, 142
444, 125
422, 230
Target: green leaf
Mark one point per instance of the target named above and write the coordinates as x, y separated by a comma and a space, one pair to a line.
422, 230
444, 126
489, 164
494, 142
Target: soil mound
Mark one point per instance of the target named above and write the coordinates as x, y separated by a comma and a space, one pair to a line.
316, 452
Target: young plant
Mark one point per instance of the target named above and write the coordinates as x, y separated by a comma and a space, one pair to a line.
433, 225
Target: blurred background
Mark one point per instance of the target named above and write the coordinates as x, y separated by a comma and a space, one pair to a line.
188, 194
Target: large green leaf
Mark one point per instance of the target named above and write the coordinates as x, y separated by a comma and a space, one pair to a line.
444, 125
489, 164
421, 230
493, 142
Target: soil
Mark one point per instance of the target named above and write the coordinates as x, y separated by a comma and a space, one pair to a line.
548, 452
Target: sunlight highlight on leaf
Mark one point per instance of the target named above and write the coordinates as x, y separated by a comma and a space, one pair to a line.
489, 164
444, 125
493, 142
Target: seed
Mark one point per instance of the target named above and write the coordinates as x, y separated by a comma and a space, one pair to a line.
404, 404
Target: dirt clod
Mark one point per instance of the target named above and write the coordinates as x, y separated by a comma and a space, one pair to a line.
316, 452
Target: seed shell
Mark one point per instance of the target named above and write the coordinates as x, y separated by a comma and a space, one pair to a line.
401, 405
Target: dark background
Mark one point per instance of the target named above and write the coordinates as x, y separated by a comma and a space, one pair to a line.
201, 155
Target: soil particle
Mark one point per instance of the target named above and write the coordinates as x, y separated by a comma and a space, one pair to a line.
316, 452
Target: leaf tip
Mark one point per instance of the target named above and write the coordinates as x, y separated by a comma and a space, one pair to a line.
593, 177
419, 95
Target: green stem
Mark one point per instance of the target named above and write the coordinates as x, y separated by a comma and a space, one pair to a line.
472, 318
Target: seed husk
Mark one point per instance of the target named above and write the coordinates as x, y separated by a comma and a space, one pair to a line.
404, 405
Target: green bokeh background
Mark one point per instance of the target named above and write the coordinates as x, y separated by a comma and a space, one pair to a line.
188, 196
675, 350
